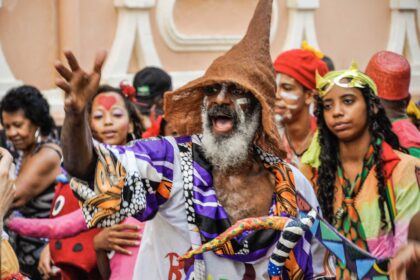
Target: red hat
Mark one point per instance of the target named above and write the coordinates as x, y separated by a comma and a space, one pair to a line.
300, 65
391, 74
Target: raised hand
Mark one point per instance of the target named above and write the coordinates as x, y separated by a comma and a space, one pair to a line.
79, 86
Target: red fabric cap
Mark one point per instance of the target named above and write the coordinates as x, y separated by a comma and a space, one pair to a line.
391, 74
301, 65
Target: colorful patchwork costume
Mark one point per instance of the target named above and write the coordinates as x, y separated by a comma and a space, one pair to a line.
166, 176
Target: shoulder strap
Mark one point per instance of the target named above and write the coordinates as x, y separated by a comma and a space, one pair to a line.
53, 147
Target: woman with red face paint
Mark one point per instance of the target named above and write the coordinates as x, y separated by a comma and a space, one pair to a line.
115, 121
366, 185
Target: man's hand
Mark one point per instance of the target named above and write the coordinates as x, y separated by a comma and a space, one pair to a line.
45, 264
116, 237
7, 187
78, 85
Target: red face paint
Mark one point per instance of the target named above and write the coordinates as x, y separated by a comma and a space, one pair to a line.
107, 101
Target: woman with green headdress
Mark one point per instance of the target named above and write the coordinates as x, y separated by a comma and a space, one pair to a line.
366, 185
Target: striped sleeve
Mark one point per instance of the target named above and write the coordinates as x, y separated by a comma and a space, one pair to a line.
132, 180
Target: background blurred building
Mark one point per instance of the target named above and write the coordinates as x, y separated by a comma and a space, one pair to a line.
184, 36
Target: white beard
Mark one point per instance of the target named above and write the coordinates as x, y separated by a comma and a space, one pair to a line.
225, 152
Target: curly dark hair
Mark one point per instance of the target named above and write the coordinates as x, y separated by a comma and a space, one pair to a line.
133, 113
34, 105
379, 127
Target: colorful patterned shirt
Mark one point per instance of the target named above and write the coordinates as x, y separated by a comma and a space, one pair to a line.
408, 135
184, 211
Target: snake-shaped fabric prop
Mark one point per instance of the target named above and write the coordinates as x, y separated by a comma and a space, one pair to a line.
268, 222
291, 231
357, 260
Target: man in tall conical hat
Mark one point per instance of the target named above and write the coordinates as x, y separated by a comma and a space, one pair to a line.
192, 188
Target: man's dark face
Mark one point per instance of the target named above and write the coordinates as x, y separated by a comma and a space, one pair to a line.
224, 104
231, 117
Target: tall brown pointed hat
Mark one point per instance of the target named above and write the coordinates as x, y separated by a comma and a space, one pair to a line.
247, 64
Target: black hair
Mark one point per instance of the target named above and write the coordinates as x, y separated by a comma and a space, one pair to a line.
400, 105
379, 127
35, 107
328, 61
162, 127
133, 113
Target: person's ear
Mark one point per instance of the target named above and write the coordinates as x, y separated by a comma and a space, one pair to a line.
375, 108
131, 127
309, 96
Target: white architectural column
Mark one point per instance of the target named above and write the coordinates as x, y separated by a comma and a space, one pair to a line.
301, 24
178, 41
133, 33
7, 79
403, 37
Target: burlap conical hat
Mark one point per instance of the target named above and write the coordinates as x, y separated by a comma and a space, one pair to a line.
247, 64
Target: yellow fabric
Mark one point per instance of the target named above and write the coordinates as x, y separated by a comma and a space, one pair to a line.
311, 156
413, 110
9, 262
357, 79
305, 46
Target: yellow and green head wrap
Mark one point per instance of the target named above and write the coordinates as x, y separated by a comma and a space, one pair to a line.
354, 78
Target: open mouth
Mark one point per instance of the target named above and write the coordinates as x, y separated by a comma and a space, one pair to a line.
222, 124
222, 119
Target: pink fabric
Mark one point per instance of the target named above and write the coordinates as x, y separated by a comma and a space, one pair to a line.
407, 133
53, 228
122, 266
386, 246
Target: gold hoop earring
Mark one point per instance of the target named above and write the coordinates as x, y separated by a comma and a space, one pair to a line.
38, 137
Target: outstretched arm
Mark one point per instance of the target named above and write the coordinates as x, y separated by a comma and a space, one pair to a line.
76, 137
56, 228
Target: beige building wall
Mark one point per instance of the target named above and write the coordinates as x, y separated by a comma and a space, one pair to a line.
34, 33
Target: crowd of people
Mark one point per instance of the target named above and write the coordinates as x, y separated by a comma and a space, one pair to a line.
259, 169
